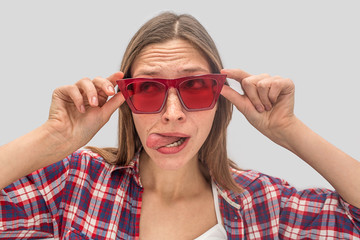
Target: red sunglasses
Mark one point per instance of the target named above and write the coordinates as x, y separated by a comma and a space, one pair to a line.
148, 95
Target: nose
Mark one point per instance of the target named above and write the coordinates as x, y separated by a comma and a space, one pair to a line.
173, 109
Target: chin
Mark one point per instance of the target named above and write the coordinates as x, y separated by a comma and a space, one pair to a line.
170, 164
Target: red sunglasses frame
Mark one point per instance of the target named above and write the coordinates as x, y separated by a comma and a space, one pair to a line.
168, 83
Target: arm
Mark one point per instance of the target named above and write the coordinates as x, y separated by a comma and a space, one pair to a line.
341, 170
77, 113
30, 152
268, 105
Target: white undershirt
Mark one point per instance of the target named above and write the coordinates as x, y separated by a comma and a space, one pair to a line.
217, 232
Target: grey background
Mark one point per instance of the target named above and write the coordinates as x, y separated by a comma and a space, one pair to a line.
47, 44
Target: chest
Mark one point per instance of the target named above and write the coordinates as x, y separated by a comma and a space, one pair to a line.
181, 219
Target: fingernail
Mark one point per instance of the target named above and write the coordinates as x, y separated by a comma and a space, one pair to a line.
111, 89
259, 108
94, 100
82, 108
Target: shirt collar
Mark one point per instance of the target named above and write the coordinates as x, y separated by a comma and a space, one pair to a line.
229, 196
132, 168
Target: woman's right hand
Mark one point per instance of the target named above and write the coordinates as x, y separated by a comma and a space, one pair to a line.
78, 111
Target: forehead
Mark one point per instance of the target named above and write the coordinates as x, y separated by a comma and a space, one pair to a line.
170, 59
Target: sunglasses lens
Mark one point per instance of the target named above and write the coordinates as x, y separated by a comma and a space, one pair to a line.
146, 96
198, 93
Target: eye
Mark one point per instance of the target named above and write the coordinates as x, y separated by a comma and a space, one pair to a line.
130, 89
195, 84
145, 87
150, 87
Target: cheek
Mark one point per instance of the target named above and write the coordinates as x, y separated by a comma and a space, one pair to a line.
142, 125
205, 121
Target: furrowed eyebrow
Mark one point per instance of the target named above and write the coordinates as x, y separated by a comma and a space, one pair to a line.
147, 73
195, 69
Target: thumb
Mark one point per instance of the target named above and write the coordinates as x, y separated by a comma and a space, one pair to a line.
235, 98
110, 106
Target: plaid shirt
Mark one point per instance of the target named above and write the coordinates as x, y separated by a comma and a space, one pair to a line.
83, 197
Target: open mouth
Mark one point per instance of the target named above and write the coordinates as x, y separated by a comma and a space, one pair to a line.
177, 143
167, 142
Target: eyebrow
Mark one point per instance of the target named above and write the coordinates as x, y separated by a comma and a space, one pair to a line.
195, 69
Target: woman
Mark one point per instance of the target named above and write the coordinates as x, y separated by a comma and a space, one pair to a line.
170, 177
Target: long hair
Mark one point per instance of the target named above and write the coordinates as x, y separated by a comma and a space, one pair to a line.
213, 153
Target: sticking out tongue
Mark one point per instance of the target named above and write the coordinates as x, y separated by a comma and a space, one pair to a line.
156, 141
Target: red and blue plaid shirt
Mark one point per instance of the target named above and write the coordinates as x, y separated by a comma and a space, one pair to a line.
83, 197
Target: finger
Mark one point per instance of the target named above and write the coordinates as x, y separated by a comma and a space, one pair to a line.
264, 87
275, 90
110, 106
104, 89
280, 86
88, 88
236, 74
115, 76
236, 98
104, 85
250, 88
74, 94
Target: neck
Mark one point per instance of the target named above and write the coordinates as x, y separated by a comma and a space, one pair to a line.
189, 180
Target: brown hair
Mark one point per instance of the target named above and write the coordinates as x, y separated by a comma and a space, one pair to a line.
164, 27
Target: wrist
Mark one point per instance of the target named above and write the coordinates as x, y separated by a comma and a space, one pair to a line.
56, 142
288, 136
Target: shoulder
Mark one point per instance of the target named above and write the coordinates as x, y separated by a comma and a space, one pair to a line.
84, 159
259, 191
256, 184
251, 179
261, 186
80, 161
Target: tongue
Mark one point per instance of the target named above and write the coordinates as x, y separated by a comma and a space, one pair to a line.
156, 141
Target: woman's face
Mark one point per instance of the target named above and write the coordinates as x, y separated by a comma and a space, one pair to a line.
174, 136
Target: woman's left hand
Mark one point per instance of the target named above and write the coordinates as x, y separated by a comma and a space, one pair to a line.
267, 102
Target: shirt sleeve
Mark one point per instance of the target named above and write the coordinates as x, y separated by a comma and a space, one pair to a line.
29, 206
316, 214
